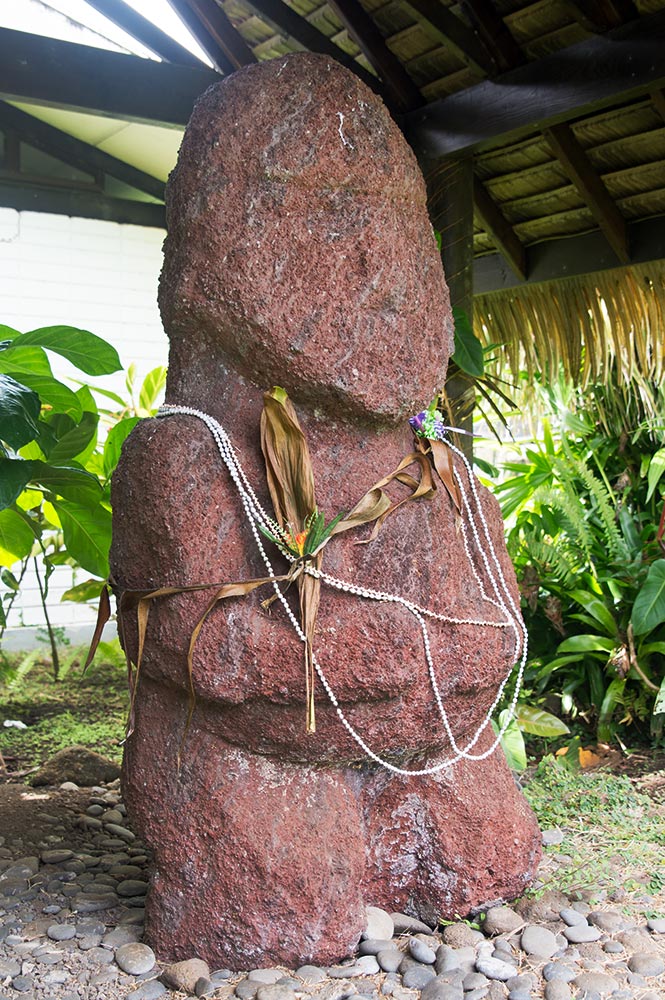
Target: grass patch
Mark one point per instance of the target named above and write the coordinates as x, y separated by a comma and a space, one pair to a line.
614, 843
89, 710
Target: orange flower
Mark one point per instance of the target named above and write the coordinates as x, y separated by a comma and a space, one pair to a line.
297, 542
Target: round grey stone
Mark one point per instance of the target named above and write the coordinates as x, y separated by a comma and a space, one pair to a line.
121, 935
151, 990
495, 968
204, 987
56, 856
607, 920
372, 946
460, 935
526, 981
421, 951
416, 977
538, 941
275, 992
404, 924
474, 981
501, 920
102, 956
478, 994
446, 959
266, 976
308, 973
22, 983
439, 989
582, 933
557, 989
135, 958
657, 925
552, 837
571, 916
61, 932
389, 959
519, 995
613, 947
646, 965
132, 887
121, 831
246, 989
379, 924
369, 964
596, 982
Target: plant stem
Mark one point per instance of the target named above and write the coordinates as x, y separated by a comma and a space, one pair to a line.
54, 649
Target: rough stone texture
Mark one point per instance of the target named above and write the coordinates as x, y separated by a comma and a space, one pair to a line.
78, 764
299, 254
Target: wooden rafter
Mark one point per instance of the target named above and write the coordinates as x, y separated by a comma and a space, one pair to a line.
494, 33
292, 24
145, 32
215, 33
601, 15
456, 35
597, 72
77, 154
64, 74
401, 88
85, 204
658, 101
499, 228
212, 49
588, 182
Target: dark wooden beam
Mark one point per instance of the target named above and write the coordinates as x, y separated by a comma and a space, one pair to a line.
74, 152
12, 153
499, 229
214, 32
595, 73
401, 89
456, 35
145, 32
493, 33
291, 24
63, 74
658, 101
82, 204
588, 182
570, 256
602, 15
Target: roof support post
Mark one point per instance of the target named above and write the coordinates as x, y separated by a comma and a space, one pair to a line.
450, 195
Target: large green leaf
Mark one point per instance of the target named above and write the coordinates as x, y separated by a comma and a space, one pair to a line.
468, 353
87, 534
75, 441
152, 388
66, 481
86, 350
656, 470
512, 742
597, 608
114, 442
649, 606
19, 412
55, 395
539, 722
16, 538
586, 644
8, 333
24, 361
613, 697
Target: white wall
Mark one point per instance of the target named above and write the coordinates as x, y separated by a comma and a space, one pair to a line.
100, 276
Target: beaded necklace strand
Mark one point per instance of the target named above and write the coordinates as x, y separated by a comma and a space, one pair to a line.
481, 539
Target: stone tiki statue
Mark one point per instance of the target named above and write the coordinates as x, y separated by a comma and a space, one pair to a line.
299, 254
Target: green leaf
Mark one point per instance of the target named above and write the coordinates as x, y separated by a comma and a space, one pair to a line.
596, 607
152, 388
16, 473
74, 442
19, 412
88, 352
539, 722
659, 705
87, 534
656, 470
16, 538
649, 606
8, 332
114, 442
25, 361
512, 742
613, 697
54, 394
82, 592
468, 353
586, 644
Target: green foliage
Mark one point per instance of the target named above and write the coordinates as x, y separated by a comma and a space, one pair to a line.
58, 450
584, 507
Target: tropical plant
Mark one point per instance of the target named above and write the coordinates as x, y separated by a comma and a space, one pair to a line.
585, 540
58, 449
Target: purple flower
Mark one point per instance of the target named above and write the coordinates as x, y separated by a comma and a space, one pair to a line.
418, 421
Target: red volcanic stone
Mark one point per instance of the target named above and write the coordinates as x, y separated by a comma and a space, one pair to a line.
299, 243
299, 254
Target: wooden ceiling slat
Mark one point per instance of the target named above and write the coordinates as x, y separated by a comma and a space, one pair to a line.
601, 15
461, 39
595, 73
297, 27
402, 90
210, 44
494, 33
575, 162
77, 154
145, 32
218, 30
499, 229
81, 203
658, 101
